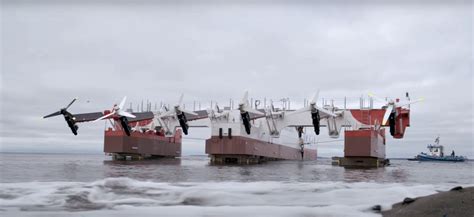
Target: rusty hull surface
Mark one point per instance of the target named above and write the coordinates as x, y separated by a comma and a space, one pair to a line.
364, 143
243, 146
142, 144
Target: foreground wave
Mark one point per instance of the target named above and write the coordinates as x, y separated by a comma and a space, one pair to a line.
125, 197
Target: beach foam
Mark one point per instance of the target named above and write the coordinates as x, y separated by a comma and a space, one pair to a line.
126, 196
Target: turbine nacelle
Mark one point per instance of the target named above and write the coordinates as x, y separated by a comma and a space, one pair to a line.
245, 110
392, 105
244, 105
68, 117
315, 110
117, 112
179, 113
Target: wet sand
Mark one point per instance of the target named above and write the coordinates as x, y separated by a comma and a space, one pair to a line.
453, 203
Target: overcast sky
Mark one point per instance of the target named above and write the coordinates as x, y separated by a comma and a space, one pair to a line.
214, 50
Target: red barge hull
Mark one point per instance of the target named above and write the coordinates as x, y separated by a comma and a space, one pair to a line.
141, 145
363, 148
243, 150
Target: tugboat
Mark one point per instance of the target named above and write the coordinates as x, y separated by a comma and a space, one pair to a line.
436, 153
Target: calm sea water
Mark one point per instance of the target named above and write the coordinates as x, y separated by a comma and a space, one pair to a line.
94, 185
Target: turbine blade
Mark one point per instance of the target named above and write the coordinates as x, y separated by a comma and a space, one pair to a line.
126, 114
53, 114
189, 112
376, 97
122, 103
180, 101
411, 102
245, 99
315, 97
325, 111
105, 116
254, 111
71, 103
387, 114
167, 114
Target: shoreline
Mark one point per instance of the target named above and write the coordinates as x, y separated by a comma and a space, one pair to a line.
458, 201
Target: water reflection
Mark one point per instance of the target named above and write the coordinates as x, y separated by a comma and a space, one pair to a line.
148, 169
245, 171
20, 168
399, 175
70, 170
146, 162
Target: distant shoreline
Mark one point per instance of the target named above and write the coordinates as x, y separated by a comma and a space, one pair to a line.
102, 153
52, 153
